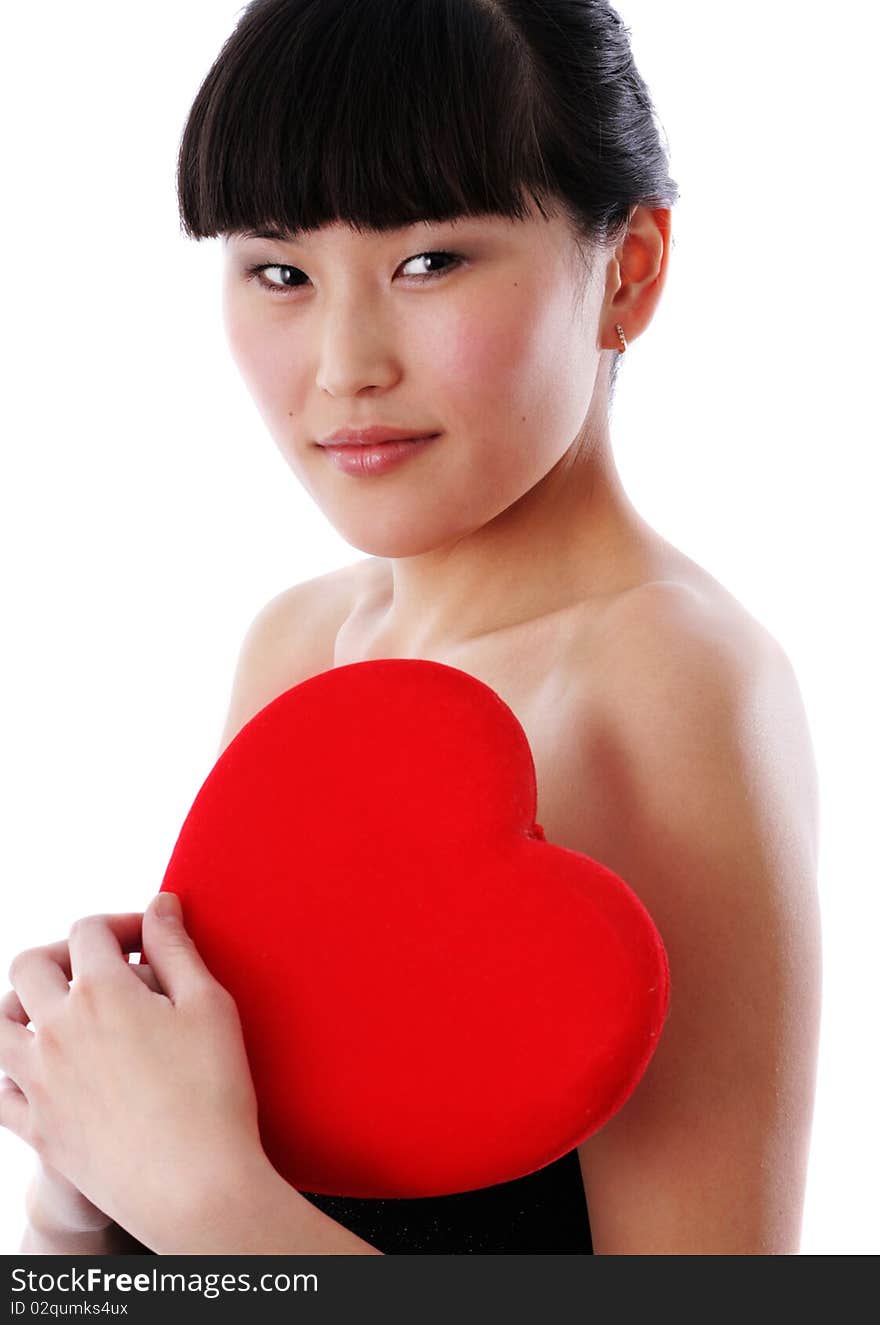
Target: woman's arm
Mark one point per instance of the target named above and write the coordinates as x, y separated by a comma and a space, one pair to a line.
246, 1208
61, 1219
61, 1222
255, 1213
113, 1241
704, 793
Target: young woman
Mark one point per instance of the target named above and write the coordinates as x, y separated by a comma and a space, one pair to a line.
447, 220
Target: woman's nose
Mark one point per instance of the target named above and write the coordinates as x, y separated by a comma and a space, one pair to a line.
345, 370
355, 350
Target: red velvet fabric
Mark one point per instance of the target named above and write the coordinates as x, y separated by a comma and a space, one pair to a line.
433, 997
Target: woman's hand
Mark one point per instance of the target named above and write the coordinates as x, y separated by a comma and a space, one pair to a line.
53, 1204
140, 1097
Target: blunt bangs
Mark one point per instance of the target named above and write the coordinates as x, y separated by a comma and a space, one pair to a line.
378, 113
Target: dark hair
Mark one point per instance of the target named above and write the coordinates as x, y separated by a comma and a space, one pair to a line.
381, 113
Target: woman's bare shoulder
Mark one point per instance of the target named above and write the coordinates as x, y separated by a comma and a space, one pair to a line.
680, 663
660, 618
291, 638
325, 598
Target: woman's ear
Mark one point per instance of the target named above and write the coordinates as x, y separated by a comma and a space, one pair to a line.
635, 276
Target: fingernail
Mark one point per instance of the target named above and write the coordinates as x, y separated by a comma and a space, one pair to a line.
167, 906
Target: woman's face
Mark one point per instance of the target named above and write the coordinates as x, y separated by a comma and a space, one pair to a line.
494, 352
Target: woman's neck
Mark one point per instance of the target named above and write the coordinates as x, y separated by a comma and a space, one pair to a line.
574, 536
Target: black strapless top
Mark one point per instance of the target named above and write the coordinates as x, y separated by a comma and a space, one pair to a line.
544, 1212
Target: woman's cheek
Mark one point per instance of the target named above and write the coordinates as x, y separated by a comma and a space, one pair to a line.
489, 397
476, 357
268, 367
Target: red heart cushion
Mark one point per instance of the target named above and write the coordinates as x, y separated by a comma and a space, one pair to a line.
433, 997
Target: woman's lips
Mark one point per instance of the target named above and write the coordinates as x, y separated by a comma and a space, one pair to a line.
362, 461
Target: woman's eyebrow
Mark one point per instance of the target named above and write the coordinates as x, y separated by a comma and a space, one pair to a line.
284, 236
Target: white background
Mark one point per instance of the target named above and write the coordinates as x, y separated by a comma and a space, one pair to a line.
146, 514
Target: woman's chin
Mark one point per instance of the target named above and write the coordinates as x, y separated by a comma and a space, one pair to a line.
382, 540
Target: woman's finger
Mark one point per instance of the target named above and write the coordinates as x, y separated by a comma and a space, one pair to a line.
38, 978
60, 954
56, 952
14, 1108
11, 1009
15, 1038
42, 974
98, 944
30, 977
148, 975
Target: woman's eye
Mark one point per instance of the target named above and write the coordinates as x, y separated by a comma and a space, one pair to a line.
421, 257
257, 273
289, 281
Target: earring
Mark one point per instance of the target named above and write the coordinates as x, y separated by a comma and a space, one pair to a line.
621, 338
